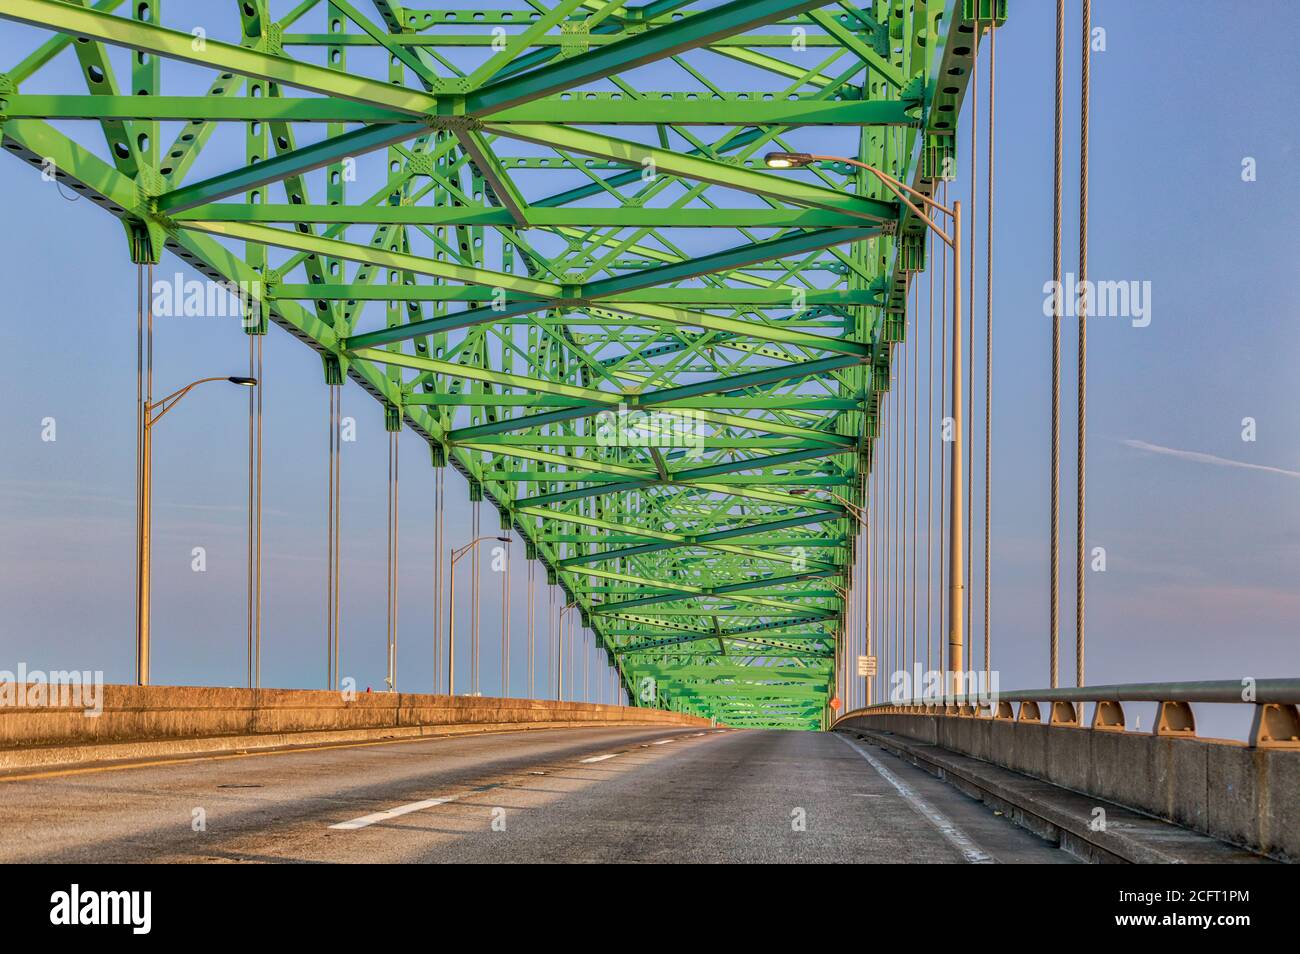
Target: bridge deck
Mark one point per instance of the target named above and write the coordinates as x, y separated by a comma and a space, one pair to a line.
599, 795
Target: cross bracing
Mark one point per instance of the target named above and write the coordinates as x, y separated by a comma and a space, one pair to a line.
542, 236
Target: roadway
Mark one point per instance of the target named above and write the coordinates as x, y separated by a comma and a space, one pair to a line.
557, 795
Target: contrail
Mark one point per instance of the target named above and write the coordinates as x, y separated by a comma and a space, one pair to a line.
1207, 458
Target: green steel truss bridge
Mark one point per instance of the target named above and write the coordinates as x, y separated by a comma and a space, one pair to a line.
545, 238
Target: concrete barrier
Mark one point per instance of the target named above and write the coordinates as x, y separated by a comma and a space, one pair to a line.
167, 721
1244, 795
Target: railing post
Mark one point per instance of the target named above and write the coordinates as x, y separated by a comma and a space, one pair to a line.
1276, 725
1065, 713
1029, 713
1108, 717
1175, 719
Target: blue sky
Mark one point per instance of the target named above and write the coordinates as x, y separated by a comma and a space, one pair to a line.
1203, 552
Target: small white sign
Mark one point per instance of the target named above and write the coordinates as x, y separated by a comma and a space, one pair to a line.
866, 665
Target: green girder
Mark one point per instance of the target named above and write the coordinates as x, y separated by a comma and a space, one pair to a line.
654, 355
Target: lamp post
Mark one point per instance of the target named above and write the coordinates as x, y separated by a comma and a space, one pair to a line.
456, 554
151, 413
956, 565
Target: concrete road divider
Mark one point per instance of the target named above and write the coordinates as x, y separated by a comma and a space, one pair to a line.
144, 722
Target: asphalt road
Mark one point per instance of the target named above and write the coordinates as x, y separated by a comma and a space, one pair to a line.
559, 795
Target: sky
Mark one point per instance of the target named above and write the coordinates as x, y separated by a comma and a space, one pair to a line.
1201, 528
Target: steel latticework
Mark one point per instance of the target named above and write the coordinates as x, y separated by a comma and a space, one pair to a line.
543, 236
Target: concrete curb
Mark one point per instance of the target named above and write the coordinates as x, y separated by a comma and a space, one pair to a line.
19, 762
161, 722
1064, 816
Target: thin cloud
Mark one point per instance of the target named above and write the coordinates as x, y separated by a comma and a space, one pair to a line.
1200, 458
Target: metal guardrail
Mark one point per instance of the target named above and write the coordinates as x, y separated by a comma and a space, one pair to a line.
1276, 722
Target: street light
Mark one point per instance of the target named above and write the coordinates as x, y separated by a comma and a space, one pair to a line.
456, 554
905, 194
151, 413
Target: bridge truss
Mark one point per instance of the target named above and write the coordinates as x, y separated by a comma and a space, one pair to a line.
543, 236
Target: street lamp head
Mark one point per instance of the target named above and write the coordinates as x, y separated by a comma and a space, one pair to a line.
504, 539
787, 160
242, 381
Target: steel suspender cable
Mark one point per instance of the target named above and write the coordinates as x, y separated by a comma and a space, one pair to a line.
252, 531
473, 608
1082, 459
391, 678
1054, 583
257, 579
929, 447
531, 610
505, 629
877, 562
438, 510
940, 656
338, 520
329, 542
900, 443
988, 368
970, 344
914, 347
141, 576
893, 516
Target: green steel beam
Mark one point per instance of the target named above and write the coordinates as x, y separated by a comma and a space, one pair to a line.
669, 272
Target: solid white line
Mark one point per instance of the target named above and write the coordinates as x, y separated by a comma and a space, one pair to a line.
600, 758
366, 820
959, 839
661, 742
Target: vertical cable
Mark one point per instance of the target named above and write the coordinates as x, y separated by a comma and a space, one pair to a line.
1054, 584
970, 337
257, 612
473, 600
505, 629
887, 541
532, 609
338, 519
141, 421
392, 558
929, 449
438, 511
1082, 459
913, 346
988, 367
249, 556
900, 441
329, 542
944, 661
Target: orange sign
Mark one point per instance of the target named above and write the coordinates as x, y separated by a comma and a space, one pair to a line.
835, 703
